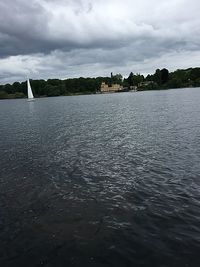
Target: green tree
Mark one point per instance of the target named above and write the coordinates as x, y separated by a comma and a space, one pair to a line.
9, 88
137, 78
117, 78
51, 90
17, 87
174, 83
157, 77
149, 78
195, 73
164, 76
130, 79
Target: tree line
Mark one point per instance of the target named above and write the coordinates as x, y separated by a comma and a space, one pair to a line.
161, 79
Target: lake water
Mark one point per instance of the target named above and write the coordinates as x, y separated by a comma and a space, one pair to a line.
101, 180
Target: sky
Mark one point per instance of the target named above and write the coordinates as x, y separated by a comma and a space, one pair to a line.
43, 39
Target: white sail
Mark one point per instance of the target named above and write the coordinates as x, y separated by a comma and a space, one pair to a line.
30, 94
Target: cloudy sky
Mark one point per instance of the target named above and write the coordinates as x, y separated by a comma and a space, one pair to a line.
44, 39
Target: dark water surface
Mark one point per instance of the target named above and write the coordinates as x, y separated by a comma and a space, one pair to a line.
101, 180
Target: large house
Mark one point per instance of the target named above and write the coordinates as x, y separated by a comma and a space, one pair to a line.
110, 89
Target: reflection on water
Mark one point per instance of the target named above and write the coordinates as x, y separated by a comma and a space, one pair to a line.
31, 106
106, 180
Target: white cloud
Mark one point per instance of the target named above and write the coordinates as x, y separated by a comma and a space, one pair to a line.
63, 65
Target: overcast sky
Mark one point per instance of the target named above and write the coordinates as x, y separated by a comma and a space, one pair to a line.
43, 39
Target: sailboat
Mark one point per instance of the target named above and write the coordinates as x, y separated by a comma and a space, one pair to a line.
30, 93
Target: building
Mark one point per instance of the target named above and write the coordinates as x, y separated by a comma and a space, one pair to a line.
110, 89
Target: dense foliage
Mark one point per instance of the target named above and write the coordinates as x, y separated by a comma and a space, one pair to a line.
161, 79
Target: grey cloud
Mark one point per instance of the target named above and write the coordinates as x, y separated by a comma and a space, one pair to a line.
34, 27
105, 34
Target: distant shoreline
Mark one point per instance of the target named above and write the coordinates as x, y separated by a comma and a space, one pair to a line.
160, 80
98, 93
